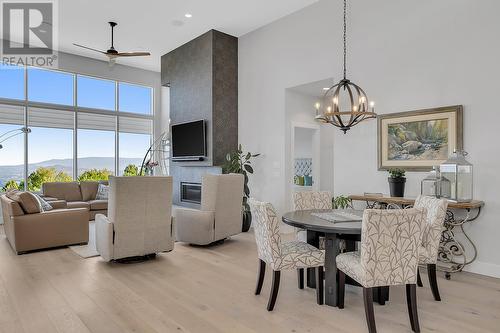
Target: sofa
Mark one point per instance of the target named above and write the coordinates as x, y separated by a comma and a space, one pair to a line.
220, 215
139, 222
29, 230
77, 195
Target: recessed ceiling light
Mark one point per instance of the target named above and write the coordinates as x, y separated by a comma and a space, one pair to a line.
326, 88
188, 15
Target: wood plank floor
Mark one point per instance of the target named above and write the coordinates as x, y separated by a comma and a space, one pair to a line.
197, 289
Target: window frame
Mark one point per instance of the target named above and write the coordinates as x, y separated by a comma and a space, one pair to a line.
75, 109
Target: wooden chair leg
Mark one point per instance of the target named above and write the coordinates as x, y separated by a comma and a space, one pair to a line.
419, 279
431, 273
300, 277
319, 285
341, 291
274, 290
260, 276
411, 300
370, 316
382, 294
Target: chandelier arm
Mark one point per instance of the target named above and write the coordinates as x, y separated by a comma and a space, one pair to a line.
352, 101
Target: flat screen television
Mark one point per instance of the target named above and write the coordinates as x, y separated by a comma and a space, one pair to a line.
188, 141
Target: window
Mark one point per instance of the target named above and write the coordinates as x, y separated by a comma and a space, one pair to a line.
11, 82
134, 98
50, 156
56, 110
95, 93
96, 154
133, 147
50, 86
11, 158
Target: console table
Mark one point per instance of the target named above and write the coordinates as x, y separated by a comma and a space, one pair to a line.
452, 252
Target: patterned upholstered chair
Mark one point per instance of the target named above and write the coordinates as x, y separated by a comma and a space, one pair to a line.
436, 214
303, 200
389, 255
281, 255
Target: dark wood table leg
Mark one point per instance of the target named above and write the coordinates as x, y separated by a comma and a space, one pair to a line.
331, 285
313, 239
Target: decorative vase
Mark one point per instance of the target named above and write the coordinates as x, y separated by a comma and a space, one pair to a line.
247, 221
397, 186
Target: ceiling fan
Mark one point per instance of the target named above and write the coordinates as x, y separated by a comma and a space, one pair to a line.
111, 53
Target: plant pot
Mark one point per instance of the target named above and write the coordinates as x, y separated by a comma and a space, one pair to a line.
397, 186
247, 221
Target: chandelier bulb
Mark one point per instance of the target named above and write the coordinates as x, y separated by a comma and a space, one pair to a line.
317, 106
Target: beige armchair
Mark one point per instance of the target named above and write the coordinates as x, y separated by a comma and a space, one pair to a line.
139, 221
220, 215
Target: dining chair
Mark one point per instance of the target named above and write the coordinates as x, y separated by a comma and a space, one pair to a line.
281, 255
389, 255
305, 200
431, 237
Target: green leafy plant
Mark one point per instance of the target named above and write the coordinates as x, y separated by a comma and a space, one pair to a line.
239, 162
132, 170
341, 202
95, 175
396, 173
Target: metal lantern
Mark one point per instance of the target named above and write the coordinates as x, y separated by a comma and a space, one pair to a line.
431, 185
456, 178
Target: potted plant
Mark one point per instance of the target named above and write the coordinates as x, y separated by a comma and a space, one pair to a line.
397, 182
239, 162
341, 202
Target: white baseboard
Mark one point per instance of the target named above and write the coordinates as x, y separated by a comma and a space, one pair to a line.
484, 268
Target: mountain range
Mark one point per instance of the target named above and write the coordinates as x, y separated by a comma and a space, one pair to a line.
9, 172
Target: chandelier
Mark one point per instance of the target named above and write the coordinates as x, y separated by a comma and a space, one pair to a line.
345, 104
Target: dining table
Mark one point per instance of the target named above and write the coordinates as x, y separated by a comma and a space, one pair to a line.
335, 225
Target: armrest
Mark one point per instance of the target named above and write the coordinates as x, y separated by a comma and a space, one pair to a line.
194, 226
104, 236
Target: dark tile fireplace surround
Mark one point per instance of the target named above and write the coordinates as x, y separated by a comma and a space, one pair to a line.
208, 66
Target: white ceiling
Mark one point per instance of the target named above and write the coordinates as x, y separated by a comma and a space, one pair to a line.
159, 26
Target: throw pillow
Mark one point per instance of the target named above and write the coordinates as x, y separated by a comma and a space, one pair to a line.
44, 205
27, 201
102, 192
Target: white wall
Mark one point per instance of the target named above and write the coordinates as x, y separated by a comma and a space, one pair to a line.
298, 112
407, 55
303, 143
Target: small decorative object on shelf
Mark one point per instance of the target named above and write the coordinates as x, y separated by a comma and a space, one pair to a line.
397, 182
431, 185
456, 178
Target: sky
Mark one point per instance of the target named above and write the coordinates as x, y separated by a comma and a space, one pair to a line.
57, 88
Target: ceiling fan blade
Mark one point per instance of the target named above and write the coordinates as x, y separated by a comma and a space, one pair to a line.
89, 48
132, 54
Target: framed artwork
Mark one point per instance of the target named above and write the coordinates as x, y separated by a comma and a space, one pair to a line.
419, 140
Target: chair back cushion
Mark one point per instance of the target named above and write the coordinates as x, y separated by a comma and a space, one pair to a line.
223, 194
431, 235
303, 200
267, 231
141, 210
28, 201
69, 191
390, 243
89, 189
10, 208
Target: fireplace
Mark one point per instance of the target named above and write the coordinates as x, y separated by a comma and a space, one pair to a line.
190, 192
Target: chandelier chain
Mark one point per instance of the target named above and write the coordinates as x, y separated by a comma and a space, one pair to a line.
345, 37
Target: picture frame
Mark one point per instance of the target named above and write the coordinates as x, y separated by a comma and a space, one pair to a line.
418, 140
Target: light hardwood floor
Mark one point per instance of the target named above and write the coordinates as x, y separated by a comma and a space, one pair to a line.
207, 290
